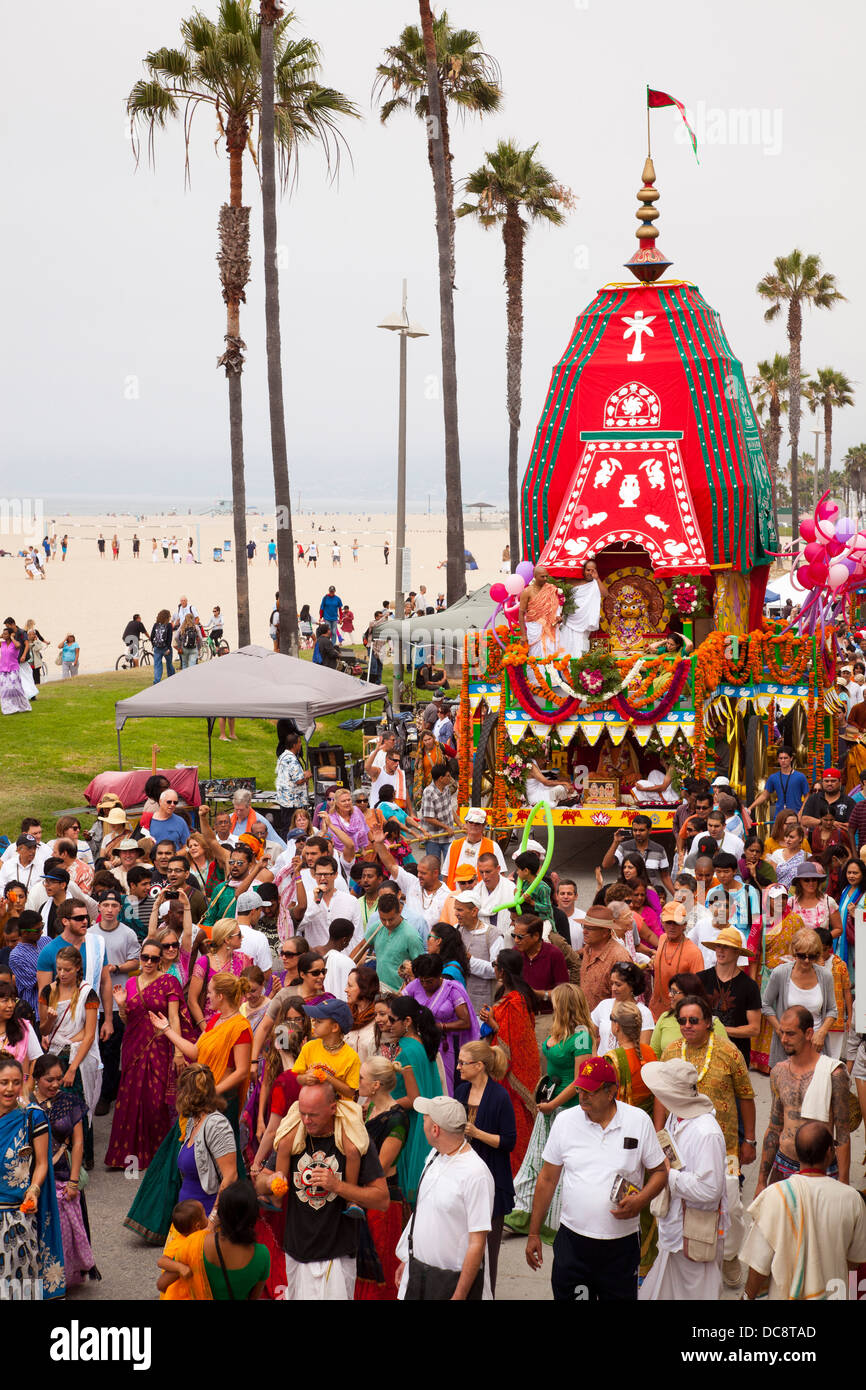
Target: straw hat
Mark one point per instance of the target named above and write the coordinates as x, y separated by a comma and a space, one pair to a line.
116, 816
729, 936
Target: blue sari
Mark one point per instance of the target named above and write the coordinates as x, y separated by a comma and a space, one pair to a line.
31, 1245
849, 900
414, 1152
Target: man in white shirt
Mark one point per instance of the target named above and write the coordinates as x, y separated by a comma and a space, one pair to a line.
698, 1185
33, 828
391, 775
494, 890
727, 843
23, 866
184, 608
593, 1147
254, 943
454, 1210
387, 743
426, 895
327, 902
566, 896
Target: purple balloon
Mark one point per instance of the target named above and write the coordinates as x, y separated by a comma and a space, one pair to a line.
850, 565
845, 529
526, 570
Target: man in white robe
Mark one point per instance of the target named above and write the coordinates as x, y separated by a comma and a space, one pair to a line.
699, 1185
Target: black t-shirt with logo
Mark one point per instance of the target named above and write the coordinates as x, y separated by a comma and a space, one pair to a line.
730, 1001
316, 1228
817, 805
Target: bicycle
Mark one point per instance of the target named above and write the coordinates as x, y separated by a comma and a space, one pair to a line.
210, 648
126, 662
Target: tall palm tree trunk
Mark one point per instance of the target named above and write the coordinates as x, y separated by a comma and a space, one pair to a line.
234, 264
456, 558
513, 233
449, 179
795, 329
828, 443
774, 440
288, 628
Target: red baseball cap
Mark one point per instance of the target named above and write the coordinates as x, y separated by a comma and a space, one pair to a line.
594, 1073
832, 772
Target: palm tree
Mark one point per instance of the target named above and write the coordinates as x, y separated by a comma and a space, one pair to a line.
294, 108
795, 280
219, 65
854, 464
455, 554
513, 181
770, 390
468, 80
828, 390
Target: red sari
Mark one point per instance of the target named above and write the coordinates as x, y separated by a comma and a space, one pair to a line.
516, 1037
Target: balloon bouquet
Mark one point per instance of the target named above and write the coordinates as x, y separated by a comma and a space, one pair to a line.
834, 564
506, 596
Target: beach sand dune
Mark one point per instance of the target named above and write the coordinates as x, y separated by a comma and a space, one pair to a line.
95, 598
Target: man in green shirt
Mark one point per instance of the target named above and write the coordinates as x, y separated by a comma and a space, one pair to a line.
392, 941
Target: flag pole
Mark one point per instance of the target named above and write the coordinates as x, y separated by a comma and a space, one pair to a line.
648, 149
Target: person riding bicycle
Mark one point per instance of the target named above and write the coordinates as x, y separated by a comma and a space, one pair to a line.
132, 633
214, 627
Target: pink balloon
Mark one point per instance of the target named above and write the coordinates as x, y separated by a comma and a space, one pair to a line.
824, 530
498, 593
835, 547
809, 577
826, 510
812, 552
807, 528
820, 567
802, 578
838, 577
514, 585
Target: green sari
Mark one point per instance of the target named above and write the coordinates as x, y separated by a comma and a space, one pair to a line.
415, 1150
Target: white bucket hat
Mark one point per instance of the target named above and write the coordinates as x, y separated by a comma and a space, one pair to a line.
675, 1084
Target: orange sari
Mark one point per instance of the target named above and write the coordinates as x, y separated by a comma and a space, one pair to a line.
216, 1045
187, 1250
516, 1037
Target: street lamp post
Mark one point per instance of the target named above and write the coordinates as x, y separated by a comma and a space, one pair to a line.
399, 323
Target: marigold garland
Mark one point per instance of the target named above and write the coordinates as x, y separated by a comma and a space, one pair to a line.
499, 800
464, 730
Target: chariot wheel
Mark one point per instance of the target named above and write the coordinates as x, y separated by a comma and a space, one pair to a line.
755, 756
484, 770
794, 732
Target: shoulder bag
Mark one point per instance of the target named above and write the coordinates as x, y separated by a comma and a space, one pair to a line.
429, 1283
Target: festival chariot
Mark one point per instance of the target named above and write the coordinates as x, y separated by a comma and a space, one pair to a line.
630, 648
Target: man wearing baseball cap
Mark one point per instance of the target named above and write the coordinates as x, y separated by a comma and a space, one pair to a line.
827, 802
22, 866
611, 1165
254, 943
468, 848
441, 1251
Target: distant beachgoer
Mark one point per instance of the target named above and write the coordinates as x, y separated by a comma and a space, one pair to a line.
64, 545
355, 551
115, 547
100, 545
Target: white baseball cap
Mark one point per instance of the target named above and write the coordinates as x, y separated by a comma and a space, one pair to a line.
475, 816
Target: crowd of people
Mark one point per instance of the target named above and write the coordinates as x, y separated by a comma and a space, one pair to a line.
347, 1065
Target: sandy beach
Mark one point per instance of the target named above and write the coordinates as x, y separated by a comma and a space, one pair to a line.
95, 598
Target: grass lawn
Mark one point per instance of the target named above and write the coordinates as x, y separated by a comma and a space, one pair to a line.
46, 761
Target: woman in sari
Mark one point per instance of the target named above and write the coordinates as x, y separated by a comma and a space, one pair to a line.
65, 1117
388, 1127
430, 754
787, 860
346, 828
446, 943
511, 1019
413, 1027
31, 1246
755, 869
451, 1007
572, 1038
149, 1065
853, 889
221, 953
223, 1049
68, 1012
17, 1037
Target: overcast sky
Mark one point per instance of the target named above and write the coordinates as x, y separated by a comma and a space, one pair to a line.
113, 314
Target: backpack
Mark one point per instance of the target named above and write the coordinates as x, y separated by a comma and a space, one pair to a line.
189, 639
317, 656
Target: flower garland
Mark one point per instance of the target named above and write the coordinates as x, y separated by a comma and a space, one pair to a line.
499, 801
464, 730
638, 715
810, 725
702, 1073
686, 598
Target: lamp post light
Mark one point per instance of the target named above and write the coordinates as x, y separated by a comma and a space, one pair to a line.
399, 323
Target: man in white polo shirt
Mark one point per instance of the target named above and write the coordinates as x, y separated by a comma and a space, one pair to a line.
426, 895
596, 1253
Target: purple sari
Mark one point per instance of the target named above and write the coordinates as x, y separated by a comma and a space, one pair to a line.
443, 1006
145, 1111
